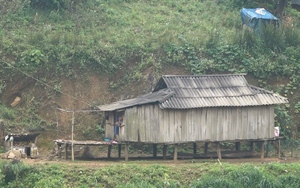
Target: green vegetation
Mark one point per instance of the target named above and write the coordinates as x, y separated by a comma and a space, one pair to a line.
202, 174
51, 39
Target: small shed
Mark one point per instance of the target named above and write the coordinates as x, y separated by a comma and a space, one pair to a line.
25, 143
194, 108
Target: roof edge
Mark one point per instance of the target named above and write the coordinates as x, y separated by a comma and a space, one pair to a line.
209, 75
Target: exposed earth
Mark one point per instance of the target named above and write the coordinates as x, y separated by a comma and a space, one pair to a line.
104, 162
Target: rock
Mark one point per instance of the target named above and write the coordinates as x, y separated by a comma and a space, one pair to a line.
15, 102
14, 154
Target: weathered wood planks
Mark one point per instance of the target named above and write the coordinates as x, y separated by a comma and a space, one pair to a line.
151, 124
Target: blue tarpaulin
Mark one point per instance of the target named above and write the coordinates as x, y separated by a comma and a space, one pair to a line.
257, 18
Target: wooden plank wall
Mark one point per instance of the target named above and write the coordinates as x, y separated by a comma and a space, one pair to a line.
149, 123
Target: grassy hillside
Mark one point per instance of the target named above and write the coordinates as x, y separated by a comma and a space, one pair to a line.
48, 48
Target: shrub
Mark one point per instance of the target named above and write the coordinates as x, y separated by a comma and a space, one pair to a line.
13, 171
219, 182
7, 113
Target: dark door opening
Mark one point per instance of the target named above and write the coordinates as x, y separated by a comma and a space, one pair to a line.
28, 151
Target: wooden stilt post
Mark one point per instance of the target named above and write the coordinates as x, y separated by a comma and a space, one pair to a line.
195, 148
219, 151
58, 150
35, 140
175, 152
66, 152
165, 151
267, 148
73, 117
205, 147
119, 150
238, 146
278, 149
109, 151
11, 144
252, 148
262, 150
126, 151
154, 150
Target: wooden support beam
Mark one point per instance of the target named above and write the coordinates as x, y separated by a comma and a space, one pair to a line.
195, 148
205, 147
165, 151
119, 150
126, 151
66, 152
35, 140
238, 146
109, 151
154, 150
262, 150
175, 152
219, 151
252, 148
278, 148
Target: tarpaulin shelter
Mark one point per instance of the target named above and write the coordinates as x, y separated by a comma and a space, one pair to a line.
257, 18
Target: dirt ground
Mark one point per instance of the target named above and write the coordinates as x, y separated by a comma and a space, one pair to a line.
94, 164
95, 156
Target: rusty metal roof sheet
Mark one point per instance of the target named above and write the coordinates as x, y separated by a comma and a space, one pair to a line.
195, 91
159, 96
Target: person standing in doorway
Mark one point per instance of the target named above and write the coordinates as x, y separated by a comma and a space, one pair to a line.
118, 124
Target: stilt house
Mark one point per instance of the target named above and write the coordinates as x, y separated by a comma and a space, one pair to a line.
183, 108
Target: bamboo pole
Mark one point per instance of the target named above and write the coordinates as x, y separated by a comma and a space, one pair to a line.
73, 117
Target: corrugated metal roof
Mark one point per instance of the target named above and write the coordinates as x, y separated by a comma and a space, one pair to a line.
159, 96
214, 91
185, 92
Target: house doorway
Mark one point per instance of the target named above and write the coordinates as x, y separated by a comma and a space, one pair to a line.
28, 151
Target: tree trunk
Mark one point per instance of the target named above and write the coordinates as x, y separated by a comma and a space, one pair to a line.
280, 7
